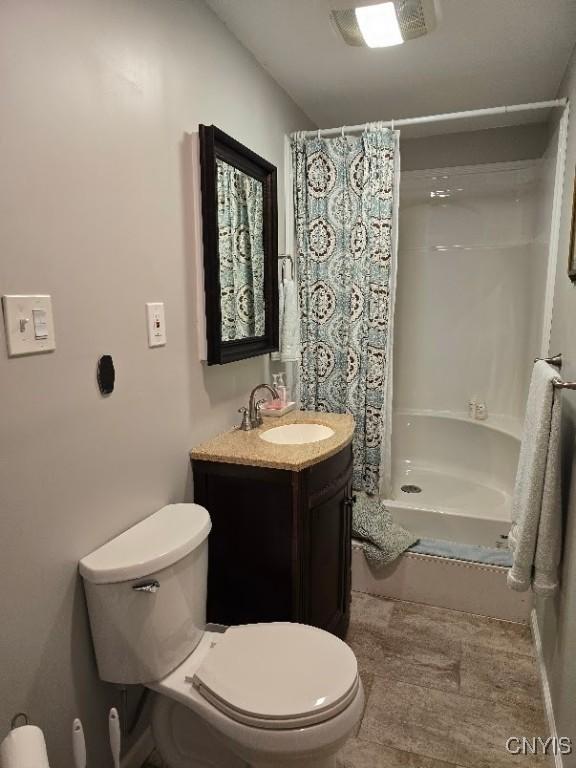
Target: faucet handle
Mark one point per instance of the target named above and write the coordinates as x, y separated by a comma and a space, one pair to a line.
246, 426
259, 420
259, 405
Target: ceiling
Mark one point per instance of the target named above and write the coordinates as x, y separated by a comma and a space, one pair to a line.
482, 53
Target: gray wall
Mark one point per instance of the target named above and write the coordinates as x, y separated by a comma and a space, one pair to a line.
95, 98
491, 145
557, 617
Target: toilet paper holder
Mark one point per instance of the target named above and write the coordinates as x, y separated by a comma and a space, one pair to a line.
24, 745
14, 722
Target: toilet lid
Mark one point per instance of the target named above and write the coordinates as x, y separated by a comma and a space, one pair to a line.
278, 675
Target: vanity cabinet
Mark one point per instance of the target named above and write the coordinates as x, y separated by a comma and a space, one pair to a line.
280, 545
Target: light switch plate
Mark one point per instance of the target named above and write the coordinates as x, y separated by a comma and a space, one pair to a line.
156, 322
29, 324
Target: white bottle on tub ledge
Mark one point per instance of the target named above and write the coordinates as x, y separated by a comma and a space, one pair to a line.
472, 407
481, 411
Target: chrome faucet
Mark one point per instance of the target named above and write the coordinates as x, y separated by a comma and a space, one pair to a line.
251, 416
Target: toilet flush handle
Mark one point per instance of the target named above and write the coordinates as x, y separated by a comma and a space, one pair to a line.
147, 586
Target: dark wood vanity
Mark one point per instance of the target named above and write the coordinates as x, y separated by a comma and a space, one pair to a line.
280, 545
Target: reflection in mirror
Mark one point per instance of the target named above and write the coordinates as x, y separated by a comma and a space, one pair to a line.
241, 251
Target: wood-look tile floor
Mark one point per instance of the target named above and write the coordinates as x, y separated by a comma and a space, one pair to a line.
443, 688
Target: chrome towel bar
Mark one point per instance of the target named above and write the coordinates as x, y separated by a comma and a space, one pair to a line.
555, 360
559, 384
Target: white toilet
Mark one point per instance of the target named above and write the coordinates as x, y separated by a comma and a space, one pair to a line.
261, 695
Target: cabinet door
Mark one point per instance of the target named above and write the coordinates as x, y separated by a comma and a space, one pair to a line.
328, 559
250, 548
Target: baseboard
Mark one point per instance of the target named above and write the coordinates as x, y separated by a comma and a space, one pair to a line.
545, 684
139, 751
443, 583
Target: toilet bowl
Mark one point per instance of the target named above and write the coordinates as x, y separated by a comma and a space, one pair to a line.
261, 695
285, 729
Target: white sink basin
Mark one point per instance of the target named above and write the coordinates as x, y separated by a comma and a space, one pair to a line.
297, 434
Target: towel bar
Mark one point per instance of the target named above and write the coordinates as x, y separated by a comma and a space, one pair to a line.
555, 360
564, 384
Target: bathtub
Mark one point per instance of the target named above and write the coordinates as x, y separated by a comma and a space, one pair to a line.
452, 477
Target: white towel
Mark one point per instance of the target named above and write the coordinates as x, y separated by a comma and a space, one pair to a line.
289, 346
289, 338
536, 533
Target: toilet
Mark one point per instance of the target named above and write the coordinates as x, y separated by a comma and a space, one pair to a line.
262, 695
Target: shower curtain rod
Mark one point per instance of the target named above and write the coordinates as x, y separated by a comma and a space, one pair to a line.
438, 118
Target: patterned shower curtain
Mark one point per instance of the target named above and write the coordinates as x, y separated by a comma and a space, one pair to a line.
344, 212
241, 251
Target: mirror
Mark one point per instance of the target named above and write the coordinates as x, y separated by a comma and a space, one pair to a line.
239, 217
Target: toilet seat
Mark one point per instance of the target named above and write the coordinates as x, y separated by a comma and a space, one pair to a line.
278, 675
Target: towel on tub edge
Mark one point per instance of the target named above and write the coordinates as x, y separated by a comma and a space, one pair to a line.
381, 538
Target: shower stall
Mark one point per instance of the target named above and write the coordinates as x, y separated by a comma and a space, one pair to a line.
472, 266
477, 255
476, 266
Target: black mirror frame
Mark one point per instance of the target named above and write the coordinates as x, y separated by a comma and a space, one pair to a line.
214, 144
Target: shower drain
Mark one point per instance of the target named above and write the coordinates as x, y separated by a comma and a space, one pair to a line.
411, 489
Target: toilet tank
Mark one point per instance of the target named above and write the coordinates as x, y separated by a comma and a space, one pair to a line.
146, 594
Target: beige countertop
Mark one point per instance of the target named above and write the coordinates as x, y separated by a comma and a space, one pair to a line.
238, 447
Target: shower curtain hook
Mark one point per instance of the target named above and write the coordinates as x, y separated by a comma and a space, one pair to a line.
319, 129
343, 131
392, 124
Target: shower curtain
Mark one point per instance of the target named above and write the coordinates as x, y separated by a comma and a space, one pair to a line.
241, 248
345, 199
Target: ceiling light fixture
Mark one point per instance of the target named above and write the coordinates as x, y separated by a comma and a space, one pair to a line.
379, 25
384, 24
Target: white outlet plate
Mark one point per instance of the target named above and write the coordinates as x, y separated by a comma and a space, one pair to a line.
29, 324
156, 322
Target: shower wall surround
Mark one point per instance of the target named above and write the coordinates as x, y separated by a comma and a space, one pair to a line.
471, 275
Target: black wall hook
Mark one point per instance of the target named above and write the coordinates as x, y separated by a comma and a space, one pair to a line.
106, 375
